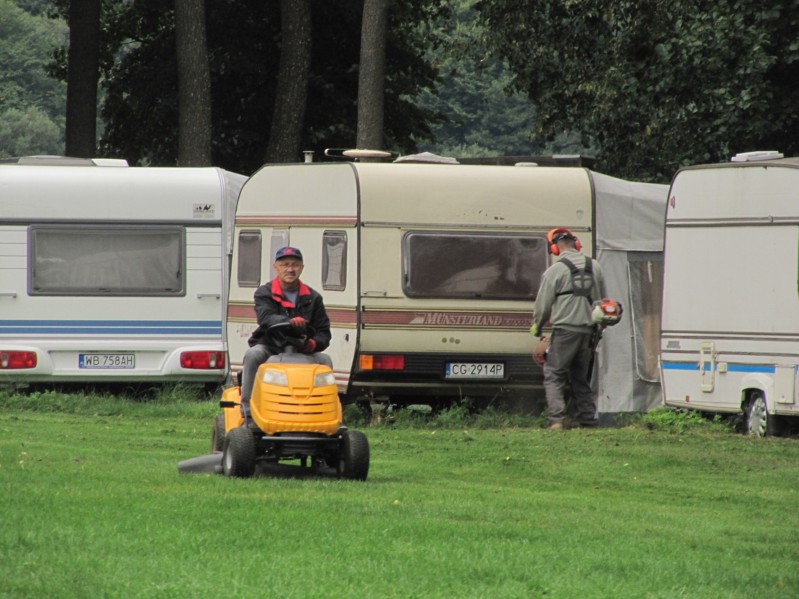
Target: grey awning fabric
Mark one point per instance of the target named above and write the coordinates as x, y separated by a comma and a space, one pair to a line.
630, 216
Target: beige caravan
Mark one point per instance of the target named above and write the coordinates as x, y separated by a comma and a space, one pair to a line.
429, 271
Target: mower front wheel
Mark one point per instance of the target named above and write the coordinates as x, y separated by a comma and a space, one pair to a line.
238, 454
355, 455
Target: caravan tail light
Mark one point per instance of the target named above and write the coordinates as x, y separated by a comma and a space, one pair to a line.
381, 362
202, 360
17, 360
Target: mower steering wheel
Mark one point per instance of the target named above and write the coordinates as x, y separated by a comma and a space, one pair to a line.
283, 334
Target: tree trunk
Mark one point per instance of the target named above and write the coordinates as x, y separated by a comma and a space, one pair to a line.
372, 74
292, 82
194, 84
83, 68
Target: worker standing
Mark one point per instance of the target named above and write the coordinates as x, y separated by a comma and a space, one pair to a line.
565, 297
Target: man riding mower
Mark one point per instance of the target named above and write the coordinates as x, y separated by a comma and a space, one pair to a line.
295, 415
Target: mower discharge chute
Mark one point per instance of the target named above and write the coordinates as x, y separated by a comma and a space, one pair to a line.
296, 415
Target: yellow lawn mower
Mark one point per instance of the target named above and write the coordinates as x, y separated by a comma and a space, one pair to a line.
296, 415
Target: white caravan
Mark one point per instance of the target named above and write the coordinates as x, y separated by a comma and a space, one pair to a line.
730, 328
429, 271
113, 274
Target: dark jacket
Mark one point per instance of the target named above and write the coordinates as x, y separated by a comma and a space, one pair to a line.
272, 307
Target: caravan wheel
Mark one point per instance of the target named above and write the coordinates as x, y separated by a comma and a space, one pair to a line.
759, 423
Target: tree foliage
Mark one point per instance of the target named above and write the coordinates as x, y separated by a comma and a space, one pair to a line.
655, 85
31, 103
29, 132
140, 78
481, 116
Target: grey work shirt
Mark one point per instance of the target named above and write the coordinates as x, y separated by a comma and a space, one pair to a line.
566, 311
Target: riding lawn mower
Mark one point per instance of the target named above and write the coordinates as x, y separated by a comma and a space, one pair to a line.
296, 414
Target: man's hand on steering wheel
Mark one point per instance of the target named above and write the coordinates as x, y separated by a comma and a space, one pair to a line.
298, 323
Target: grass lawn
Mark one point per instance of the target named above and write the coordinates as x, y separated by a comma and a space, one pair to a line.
93, 505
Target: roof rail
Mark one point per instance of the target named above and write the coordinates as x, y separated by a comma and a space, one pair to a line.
553, 160
48, 160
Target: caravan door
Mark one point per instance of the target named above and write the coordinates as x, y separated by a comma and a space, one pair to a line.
312, 207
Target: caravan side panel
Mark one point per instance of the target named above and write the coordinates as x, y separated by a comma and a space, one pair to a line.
730, 324
113, 274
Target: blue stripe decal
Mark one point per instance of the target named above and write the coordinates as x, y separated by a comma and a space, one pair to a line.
751, 368
680, 366
110, 327
758, 368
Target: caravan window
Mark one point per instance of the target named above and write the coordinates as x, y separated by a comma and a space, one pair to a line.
106, 260
334, 260
279, 239
248, 267
472, 265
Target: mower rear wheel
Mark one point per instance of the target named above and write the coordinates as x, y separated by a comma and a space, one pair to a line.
218, 434
238, 455
355, 455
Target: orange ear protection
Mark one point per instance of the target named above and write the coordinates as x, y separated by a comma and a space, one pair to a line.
556, 235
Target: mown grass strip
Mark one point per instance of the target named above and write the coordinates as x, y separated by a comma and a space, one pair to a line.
93, 505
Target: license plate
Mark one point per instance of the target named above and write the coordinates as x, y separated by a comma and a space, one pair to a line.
474, 370
107, 361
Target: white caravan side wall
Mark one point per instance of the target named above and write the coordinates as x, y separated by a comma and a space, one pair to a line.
730, 322
155, 330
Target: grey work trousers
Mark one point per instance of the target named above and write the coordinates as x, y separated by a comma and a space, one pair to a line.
253, 358
568, 368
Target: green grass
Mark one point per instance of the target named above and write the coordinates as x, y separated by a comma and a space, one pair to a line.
92, 505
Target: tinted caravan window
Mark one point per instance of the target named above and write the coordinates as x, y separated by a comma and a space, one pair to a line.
248, 268
334, 260
473, 265
106, 260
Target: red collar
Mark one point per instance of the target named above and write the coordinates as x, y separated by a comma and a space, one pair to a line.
277, 293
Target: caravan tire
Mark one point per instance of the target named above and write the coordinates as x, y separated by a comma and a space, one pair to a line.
355, 455
758, 422
238, 455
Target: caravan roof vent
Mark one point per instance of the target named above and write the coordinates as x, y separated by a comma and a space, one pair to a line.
358, 154
755, 156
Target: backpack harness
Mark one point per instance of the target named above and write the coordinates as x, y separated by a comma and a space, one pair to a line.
582, 280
